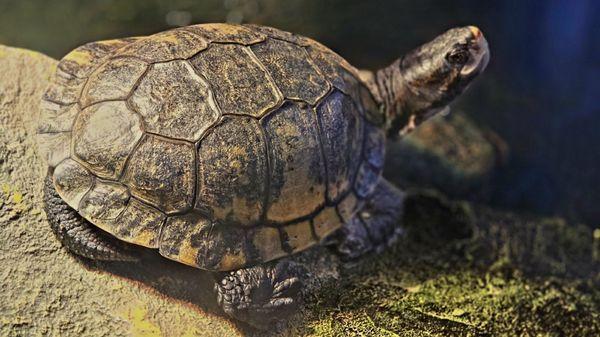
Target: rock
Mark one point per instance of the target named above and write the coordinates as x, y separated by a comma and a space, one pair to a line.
449, 153
46, 291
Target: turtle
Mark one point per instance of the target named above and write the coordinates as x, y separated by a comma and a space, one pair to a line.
230, 148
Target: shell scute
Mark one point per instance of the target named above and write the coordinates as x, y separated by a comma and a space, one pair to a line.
280, 34
139, 224
298, 236
225, 33
82, 60
348, 207
64, 89
56, 118
326, 222
161, 173
196, 241
175, 102
72, 181
232, 168
336, 69
297, 184
54, 147
104, 135
267, 243
113, 80
374, 151
165, 46
341, 136
104, 203
291, 70
238, 80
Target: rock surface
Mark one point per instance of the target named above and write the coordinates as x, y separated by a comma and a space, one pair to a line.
47, 292
459, 271
449, 153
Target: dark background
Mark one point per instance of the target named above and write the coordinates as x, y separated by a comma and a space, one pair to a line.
539, 94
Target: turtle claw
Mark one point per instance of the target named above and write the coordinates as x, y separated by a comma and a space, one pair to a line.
259, 295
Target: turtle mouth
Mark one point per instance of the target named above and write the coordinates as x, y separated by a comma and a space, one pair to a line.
480, 54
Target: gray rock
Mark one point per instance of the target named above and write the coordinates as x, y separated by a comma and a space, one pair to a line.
449, 153
47, 292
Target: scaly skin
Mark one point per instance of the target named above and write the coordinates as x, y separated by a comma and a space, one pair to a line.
261, 294
375, 227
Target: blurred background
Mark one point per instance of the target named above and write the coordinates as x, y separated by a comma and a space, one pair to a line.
525, 137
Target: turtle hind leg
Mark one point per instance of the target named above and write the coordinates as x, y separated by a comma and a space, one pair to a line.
375, 227
261, 294
77, 234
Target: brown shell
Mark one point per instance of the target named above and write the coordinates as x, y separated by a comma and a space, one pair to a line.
220, 145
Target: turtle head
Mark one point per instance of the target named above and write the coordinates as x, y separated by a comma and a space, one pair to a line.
423, 82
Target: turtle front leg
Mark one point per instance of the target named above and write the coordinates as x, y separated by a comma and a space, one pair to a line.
261, 294
376, 226
77, 234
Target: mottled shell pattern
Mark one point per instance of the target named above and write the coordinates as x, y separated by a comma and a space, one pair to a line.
220, 145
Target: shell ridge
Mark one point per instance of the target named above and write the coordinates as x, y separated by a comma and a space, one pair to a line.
280, 97
268, 172
86, 194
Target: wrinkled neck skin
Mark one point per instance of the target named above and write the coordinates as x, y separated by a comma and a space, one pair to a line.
404, 106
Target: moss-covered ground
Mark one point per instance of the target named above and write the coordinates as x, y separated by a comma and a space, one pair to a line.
461, 270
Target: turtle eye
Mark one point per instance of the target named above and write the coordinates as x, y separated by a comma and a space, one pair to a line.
458, 57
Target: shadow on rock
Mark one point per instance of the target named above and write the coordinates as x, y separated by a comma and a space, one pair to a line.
169, 278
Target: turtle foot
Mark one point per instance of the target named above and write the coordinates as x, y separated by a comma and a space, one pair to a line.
375, 227
261, 294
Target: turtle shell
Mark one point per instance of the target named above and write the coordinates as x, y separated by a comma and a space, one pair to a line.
220, 145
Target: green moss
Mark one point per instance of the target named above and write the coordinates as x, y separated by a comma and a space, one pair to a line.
466, 279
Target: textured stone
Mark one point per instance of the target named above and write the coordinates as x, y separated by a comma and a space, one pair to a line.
239, 82
161, 172
104, 135
298, 179
174, 101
